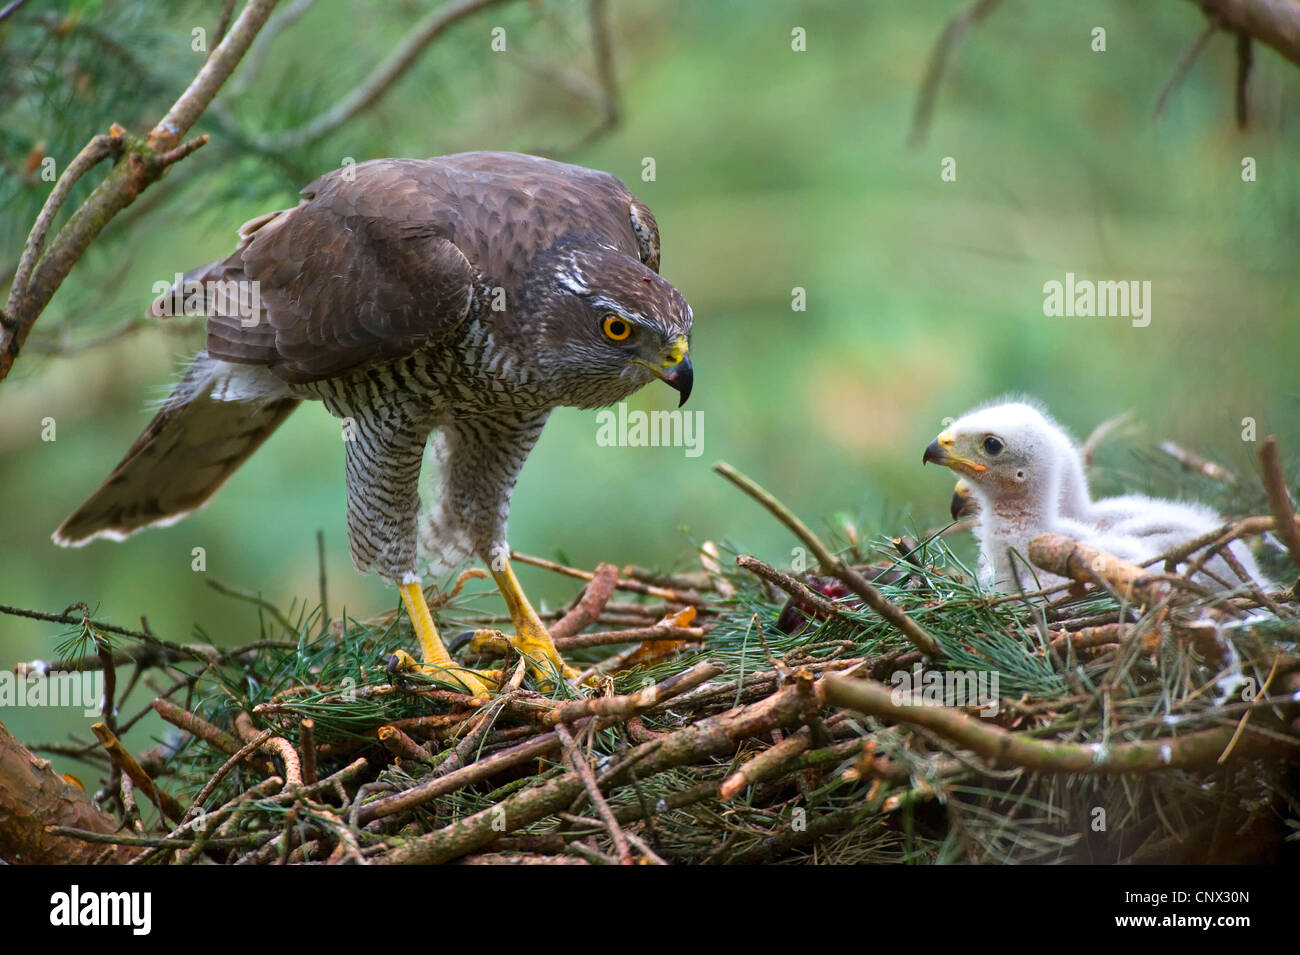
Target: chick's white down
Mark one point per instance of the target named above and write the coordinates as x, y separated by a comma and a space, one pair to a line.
1027, 476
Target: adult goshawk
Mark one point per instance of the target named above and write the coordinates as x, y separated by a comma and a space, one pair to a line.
464, 296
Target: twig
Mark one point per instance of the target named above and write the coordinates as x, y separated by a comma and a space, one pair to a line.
954, 32
378, 82
324, 593
239, 756
594, 598
796, 589
1181, 67
831, 564
125, 762
255, 599
708, 737
399, 744
604, 96
11, 9
631, 586
1197, 464
1279, 501
1002, 747
95, 151
583, 769
1103, 431
274, 746
633, 703
282, 20
307, 746
1066, 557
635, 635
1242, 84
766, 764
144, 163
159, 842
196, 726
536, 747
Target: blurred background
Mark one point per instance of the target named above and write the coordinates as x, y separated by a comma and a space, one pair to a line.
775, 169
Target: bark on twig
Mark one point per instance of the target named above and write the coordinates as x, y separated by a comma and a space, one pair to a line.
33, 798
599, 589
1279, 501
581, 767
830, 564
143, 164
1004, 748
380, 80
125, 762
1066, 557
709, 737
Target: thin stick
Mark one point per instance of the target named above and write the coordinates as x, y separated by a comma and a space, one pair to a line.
239, 756
831, 564
635, 635
1196, 464
255, 599
631, 586
380, 79
950, 40
796, 589
93, 153
125, 762
1019, 749
583, 769
1279, 501
1181, 67
324, 594
594, 598
307, 744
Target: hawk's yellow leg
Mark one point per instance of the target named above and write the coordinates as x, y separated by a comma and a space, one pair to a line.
531, 638
437, 661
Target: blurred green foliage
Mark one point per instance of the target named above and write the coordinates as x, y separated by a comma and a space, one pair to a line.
775, 169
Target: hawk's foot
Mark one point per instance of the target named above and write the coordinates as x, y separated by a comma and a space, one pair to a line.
438, 663
544, 661
531, 637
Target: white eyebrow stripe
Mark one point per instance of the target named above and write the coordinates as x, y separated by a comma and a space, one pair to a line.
601, 301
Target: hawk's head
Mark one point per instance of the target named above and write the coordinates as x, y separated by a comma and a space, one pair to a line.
608, 324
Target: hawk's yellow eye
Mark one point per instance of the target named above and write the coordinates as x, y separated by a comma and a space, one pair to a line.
616, 328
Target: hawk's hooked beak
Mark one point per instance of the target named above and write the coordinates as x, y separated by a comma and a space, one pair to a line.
940, 452
676, 369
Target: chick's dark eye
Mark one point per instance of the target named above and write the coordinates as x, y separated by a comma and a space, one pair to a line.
992, 445
615, 328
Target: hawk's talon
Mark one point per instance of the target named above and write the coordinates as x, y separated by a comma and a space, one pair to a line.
531, 638
489, 643
438, 663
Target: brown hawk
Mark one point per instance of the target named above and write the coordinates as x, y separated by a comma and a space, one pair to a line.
463, 297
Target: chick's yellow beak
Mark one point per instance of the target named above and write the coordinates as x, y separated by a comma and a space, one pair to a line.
940, 452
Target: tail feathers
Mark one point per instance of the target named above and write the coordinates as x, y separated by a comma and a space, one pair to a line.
218, 415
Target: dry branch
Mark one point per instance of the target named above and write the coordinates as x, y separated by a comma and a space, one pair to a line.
1004, 748
143, 163
1279, 501
378, 82
33, 797
1066, 557
830, 564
